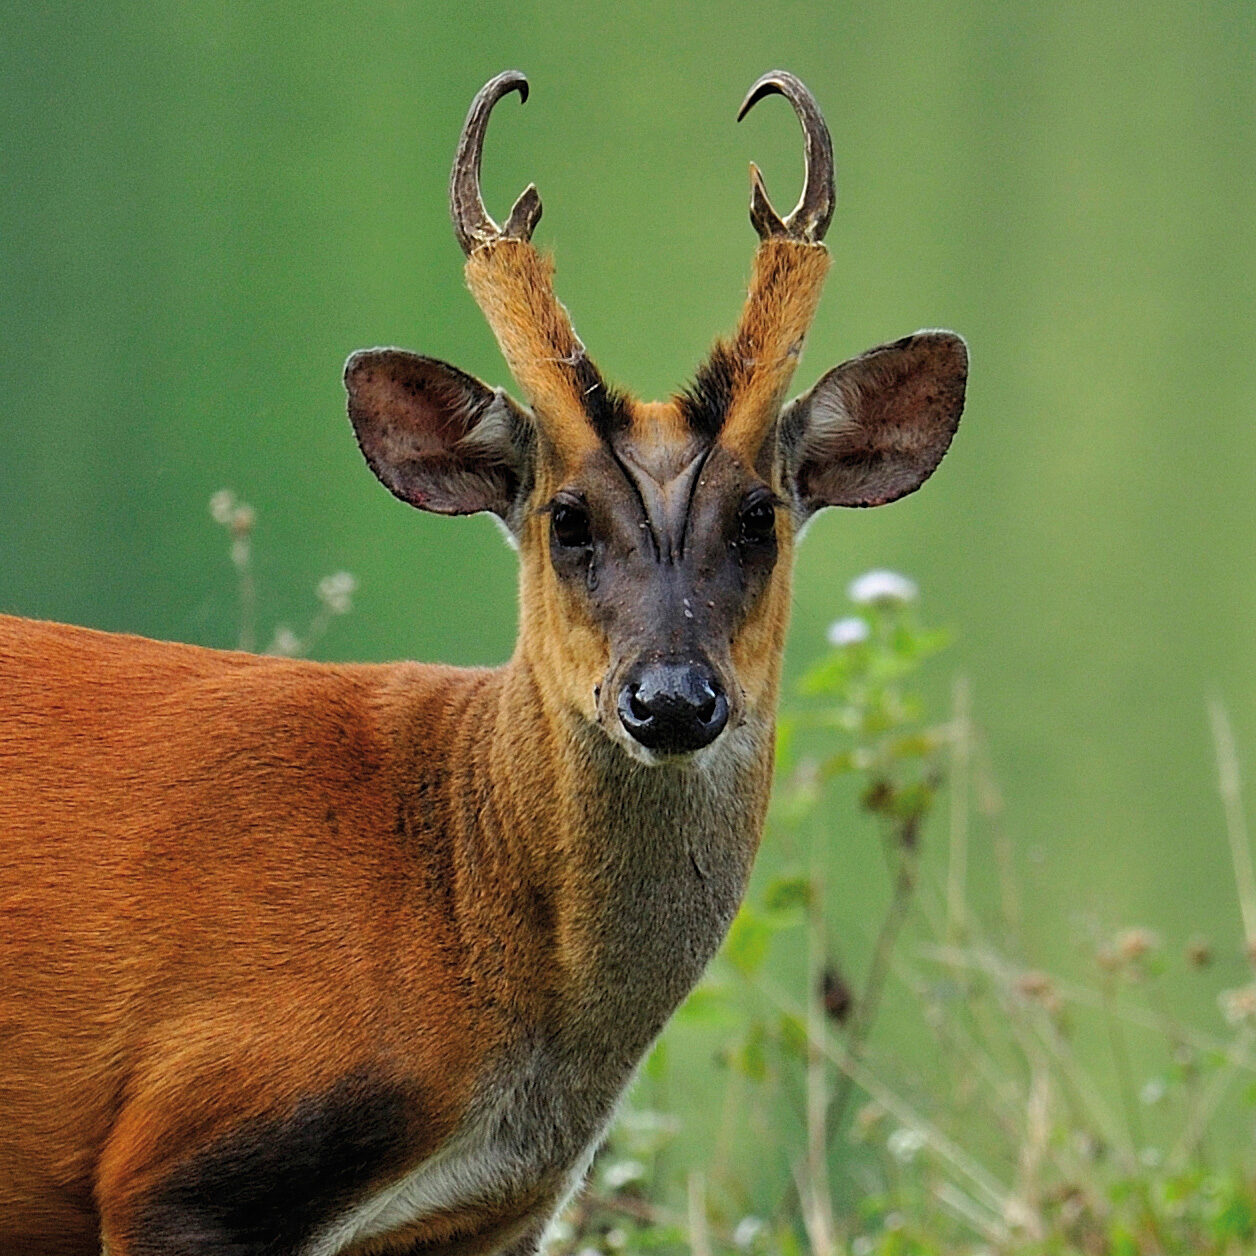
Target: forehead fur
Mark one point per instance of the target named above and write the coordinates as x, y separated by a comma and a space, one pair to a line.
658, 439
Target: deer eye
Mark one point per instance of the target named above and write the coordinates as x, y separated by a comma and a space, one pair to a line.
757, 521
569, 524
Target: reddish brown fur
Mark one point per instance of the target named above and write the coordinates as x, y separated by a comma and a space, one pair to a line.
213, 906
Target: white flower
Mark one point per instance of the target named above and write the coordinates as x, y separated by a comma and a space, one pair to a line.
285, 643
748, 1229
222, 506
905, 1144
620, 1172
882, 588
851, 631
336, 592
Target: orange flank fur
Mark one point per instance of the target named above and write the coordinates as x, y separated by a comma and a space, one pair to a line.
212, 869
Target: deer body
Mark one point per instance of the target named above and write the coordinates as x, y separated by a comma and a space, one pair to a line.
320, 960
362, 882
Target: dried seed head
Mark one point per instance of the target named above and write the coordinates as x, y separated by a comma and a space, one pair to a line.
1107, 959
222, 506
336, 592
1034, 985
1199, 952
1131, 945
1238, 1006
869, 1116
838, 997
242, 520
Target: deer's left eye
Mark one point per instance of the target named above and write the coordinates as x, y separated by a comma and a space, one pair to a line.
757, 522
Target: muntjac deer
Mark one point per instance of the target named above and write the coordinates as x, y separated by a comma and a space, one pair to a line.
315, 960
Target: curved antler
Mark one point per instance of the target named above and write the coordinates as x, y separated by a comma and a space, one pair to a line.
472, 224
810, 218
750, 373
513, 284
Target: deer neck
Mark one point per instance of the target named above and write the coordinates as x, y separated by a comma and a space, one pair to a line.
588, 890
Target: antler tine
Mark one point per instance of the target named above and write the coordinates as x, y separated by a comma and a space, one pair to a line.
472, 224
810, 218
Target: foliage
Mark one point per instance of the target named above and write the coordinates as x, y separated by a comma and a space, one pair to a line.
1033, 1130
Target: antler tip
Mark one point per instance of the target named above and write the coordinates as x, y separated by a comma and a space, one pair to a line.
765, 85
503, 84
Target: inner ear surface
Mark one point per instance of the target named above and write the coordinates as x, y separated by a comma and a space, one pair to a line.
437, 437
875, 428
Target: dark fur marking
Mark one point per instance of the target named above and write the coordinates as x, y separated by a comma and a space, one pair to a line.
268, 1186
706, 401
606, 408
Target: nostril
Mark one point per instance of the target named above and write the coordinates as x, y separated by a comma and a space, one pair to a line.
638, 708
706, 709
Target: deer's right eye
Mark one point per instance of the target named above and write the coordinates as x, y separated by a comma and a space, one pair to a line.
570, 526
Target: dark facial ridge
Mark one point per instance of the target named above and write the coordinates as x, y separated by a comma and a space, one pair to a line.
606, 407
665, 561
706, 401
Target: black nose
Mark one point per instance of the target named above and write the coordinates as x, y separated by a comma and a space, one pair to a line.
673, 707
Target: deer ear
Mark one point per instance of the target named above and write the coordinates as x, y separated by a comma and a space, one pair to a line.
874, 428
437, 437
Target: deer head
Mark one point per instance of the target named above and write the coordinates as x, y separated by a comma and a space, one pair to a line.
656, 538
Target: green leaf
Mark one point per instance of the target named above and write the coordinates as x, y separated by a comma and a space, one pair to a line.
793, 1035
751, 1058
1235, 1219
785, 892
748, 941
1124, 1243
710, 1006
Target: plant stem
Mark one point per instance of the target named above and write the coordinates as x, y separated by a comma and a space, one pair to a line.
1230, 786
957, 863
866, 1007
816, 1196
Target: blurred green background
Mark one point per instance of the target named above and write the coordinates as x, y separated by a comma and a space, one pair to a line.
206, 206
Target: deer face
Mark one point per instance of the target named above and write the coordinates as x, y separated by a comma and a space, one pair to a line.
656, 539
